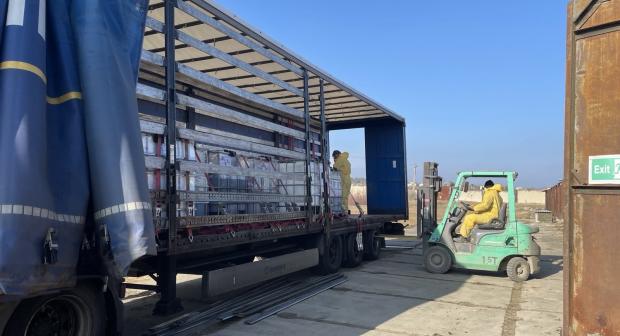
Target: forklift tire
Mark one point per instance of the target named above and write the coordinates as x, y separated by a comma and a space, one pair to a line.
372, 245
353, 256
437, 259
75, 312
331, 259
518, 269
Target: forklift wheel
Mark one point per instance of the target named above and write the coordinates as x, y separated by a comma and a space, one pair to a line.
437, 259
518, 269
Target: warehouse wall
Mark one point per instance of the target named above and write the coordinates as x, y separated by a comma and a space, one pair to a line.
524, 196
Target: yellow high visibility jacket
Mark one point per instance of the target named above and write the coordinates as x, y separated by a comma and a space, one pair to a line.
491, 203
343, 165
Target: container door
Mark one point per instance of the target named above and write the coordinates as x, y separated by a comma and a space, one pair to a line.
386, 172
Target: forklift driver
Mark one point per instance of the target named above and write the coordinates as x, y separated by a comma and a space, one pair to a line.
484, 211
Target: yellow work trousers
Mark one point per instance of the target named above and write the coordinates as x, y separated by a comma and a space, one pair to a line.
472, 220
346, 191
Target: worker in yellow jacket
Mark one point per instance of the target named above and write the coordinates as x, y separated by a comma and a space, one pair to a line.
484, 211
342, 164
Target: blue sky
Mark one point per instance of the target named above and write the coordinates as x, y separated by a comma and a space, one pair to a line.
480, 83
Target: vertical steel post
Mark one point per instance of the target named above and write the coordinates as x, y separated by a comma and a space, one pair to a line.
427, 200
325, 158
191, 112
168, 302
308, 159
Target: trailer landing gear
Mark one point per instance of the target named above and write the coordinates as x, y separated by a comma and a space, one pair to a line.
168, 303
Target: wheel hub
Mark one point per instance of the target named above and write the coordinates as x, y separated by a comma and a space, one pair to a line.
58, 316
436, 259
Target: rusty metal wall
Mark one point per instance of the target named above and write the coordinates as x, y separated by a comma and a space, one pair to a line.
592, 213
444, 193
555, 200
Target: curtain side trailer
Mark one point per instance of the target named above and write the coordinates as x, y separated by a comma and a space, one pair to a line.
235, 138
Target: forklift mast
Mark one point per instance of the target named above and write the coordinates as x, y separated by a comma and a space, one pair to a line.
427, 201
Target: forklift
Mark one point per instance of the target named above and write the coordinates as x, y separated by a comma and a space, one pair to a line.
502, 245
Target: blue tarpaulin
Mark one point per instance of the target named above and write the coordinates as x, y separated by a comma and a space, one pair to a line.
70, 144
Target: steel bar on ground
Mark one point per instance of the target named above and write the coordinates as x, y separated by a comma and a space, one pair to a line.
216, 307
294, 301
304, 287
268, 298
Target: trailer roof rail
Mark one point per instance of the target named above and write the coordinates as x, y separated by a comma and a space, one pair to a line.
233, 59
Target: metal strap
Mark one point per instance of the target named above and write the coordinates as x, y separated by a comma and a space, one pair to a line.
217, 220
231, 197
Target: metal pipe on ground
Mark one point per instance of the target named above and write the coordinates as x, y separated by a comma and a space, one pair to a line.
260, 302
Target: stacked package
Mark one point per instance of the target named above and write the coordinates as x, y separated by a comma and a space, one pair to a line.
242, 189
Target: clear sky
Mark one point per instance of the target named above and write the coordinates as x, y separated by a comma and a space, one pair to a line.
480, 83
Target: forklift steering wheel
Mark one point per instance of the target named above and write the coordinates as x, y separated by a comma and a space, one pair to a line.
466, 206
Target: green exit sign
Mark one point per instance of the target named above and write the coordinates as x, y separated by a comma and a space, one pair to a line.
605, 169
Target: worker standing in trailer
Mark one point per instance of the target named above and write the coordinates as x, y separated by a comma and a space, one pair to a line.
342, 164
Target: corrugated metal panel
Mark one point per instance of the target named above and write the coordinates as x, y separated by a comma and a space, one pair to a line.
386, 176
592, 233
554, 200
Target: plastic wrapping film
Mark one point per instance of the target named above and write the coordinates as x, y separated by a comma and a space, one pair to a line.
69, 137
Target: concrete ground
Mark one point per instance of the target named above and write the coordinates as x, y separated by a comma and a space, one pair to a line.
396, 296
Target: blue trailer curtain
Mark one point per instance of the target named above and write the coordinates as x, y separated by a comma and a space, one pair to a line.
70, 148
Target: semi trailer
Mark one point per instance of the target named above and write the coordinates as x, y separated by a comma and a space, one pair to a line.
215, 152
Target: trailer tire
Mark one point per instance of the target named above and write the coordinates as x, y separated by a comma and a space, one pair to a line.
331, 258
75, 312
353, 256
372, 245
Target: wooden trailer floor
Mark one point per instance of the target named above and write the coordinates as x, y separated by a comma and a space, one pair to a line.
395, 296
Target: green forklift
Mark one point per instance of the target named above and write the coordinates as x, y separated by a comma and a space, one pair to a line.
502, 245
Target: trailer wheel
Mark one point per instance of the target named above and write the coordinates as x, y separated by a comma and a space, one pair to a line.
353, 256
372, 245
331, 259
518, 269
437, 259
76, 312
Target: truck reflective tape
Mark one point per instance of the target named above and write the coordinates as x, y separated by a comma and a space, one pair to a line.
15, 14
28, 210
41, 23
119, 208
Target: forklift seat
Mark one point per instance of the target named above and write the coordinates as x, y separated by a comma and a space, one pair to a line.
497, 223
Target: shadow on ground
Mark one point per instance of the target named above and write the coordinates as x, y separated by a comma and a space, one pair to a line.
396, 296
